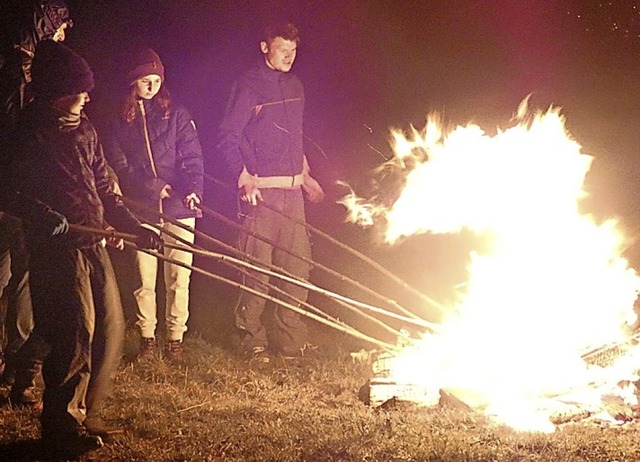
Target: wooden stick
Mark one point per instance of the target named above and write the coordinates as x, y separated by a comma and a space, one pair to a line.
234, 250
328, 270
342, 327
352, 251
305, 284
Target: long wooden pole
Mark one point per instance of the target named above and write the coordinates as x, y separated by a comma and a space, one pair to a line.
381, 269
339, 276
305, 284
227, 260
136, 205
188, 247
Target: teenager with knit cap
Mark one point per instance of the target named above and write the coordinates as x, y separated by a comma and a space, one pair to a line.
155, 151
58, 159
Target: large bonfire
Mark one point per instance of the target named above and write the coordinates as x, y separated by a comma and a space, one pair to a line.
551, 286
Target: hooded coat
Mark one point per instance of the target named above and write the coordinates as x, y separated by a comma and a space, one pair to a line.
22, 29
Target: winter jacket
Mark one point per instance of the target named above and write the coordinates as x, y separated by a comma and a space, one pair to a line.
262, 125
22, 29
176, 153
66, 170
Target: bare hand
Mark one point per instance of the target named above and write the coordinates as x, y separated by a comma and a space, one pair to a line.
116, 242
192, 201
248, 185
250, 194
166, 192
312, 189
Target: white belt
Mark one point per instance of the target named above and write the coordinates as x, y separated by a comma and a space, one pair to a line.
280, 181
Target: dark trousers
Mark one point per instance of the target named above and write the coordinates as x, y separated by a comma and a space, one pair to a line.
79, 321
289, 331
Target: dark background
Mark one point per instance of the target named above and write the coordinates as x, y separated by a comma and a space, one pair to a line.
371, 65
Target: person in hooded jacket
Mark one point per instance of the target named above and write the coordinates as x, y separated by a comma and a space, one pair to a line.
24, 25
57, 158
156, 154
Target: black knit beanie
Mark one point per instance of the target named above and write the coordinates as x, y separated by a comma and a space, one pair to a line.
59, 71
145, 62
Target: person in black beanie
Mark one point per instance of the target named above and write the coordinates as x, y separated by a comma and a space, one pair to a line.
58, 159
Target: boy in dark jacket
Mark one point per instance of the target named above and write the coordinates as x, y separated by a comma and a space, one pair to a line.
261, 141
77, 311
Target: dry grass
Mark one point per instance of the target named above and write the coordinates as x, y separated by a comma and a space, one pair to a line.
223, 409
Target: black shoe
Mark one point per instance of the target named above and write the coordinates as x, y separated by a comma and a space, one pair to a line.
23, 388
9, 372
8, 376
69, 445
25, 398
97, 427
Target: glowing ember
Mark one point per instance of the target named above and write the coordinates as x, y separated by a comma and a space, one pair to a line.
552, 285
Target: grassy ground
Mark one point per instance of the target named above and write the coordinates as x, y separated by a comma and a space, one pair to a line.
223, 409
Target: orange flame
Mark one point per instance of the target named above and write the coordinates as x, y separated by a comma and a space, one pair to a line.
553, 284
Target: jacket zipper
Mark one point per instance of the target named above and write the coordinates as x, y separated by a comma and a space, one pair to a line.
147, 141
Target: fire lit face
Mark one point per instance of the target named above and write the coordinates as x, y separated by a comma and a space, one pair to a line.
279, 54
73, 104
148, 86
60, 34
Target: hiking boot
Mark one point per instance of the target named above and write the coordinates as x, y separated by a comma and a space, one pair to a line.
8, 376
173, 352
147, 349
25, 397
69, 445
97, 427
258, 354
10, 365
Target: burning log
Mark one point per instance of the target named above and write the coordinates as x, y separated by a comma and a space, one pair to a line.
607, 354
384, 392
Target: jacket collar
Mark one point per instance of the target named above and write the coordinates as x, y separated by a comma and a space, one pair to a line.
270, 74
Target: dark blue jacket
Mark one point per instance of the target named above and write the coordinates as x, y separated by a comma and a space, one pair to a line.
177, 157
262, 125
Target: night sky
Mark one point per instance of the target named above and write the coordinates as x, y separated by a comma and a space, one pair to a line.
371, 65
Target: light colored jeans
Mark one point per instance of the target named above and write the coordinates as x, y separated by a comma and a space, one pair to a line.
176, 280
